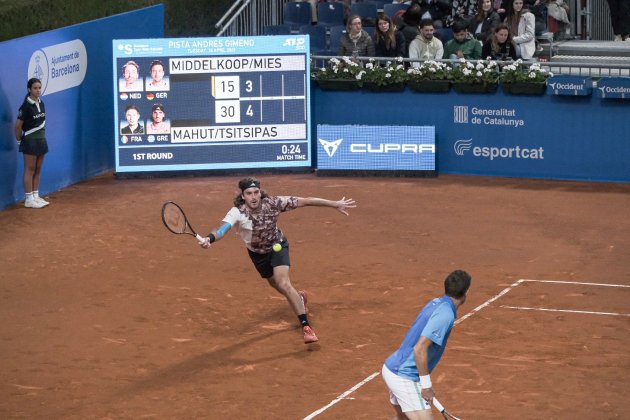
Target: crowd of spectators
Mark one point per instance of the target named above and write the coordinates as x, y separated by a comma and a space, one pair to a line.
450, 29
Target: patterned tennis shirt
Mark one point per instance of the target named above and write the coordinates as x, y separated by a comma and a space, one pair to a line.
259, 229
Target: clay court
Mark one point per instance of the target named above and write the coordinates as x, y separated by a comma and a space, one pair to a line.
107, 315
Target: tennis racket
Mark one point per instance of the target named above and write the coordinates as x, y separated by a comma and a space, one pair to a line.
442, 410
175, 220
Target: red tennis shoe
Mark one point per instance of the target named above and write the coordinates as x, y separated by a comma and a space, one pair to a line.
309, 335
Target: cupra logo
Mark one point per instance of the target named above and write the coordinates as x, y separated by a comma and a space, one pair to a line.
330, 147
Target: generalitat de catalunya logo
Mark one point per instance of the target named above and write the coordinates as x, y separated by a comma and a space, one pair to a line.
330, 147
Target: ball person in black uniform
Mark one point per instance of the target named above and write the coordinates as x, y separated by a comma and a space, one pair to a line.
31, 136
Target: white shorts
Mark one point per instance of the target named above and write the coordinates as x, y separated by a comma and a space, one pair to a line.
404, 392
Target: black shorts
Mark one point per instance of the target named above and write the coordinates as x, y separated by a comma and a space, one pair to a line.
36, 147
265, 263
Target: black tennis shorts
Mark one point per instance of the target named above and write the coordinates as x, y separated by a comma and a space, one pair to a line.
265, 263
36, 147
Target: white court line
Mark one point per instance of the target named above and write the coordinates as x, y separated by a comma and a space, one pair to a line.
375, 374
342, 396
576, 282
564, 310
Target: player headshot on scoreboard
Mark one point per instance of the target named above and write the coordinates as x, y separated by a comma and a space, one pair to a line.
129, 81
157, 80
132, 114
158, 124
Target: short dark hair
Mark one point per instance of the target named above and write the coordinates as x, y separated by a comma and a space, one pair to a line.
156, 63
459, 25
129, 107
425, 22
457, 284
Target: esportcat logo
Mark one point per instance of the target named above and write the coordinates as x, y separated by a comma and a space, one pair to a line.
492, 152
462, 146
330, 147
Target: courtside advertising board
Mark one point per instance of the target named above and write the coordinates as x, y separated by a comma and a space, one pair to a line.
393, 148
211, 103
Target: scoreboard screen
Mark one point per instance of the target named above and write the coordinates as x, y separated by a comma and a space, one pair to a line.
211, 103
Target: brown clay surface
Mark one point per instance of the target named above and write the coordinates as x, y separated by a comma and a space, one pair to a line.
106, 315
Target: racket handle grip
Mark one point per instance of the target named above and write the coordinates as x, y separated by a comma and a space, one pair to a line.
437, 405
199, 238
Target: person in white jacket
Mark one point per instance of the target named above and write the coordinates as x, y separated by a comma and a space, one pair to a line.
522, 24
425, 46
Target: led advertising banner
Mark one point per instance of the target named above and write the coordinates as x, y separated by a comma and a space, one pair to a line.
375, 148
211, 103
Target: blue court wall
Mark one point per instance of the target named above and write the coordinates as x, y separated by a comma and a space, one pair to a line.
75, 64
548, 136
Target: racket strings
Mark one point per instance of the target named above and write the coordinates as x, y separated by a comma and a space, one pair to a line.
175, 219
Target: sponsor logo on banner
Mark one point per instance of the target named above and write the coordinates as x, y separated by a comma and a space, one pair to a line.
60, 66
460, 114
614, 87
571, 85
487, 116
461, 148
330, 147
385, 148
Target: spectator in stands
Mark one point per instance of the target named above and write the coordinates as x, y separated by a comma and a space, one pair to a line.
522, 23
129, 81
132, 114
464, 10
388, 41
356, 42
558, 10
499, 46
484, 22
409, 27
463, 45
425, 46
620, 17
436, 10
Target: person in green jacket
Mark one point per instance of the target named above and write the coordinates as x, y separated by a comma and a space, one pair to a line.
463, 45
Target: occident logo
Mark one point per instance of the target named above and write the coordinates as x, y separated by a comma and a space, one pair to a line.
60, 66
492, 152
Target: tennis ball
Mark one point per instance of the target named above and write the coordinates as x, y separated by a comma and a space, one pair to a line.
277, 247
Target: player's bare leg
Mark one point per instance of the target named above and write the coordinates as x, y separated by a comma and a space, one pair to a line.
30, 169
282, 283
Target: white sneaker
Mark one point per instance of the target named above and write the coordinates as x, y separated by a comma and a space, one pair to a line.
41, 201
33, 204
618, 38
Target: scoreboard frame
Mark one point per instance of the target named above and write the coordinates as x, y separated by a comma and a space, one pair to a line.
212, 104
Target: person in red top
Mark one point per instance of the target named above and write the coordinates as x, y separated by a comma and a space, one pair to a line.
254, 217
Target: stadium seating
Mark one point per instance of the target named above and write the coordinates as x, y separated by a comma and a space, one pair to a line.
317, 38
277, 30
367, 11
296, 14
391, 9
336, 32
330, 14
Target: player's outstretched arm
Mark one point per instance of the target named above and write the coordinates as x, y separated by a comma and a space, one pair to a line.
215, 235
342, 205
